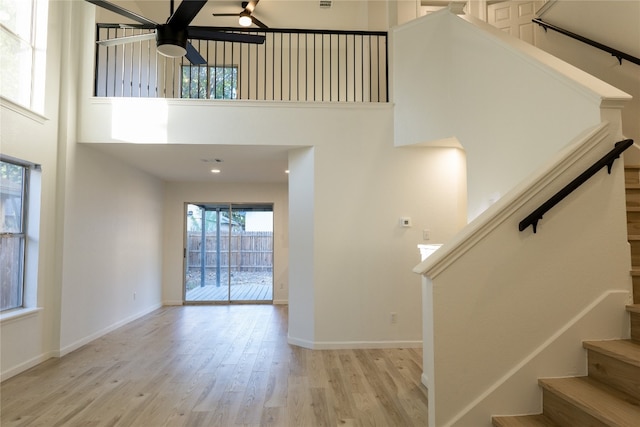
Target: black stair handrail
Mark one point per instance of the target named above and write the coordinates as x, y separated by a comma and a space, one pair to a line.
607, 160
614, 52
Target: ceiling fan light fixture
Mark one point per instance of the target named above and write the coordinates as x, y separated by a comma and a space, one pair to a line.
245, 19
170, 41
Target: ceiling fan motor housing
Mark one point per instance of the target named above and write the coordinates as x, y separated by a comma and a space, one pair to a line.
171, 42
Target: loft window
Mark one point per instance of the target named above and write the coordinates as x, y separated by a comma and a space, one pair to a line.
205, 82
14, 180
23, 39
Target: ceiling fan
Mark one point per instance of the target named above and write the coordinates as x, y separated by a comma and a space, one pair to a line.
246, 17
171, 38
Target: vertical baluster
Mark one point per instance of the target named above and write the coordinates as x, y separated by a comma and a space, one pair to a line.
386, 68
281, 66
215, 71
306, 67
354, 67
338, 65
235, 76
289, 66
362, 67
378, 62
207, 89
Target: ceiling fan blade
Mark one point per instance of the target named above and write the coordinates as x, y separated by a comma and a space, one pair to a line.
138, 26
194, 56
251, 5
128, 39
205, 33
185, 13
123, 12
258, 22
226, 14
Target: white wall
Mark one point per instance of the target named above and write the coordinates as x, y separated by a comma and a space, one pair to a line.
487, 90
100, 226
525, 302
614, 23
179, 193
112, 253
358, 270
343, 14
25, 342
486, 287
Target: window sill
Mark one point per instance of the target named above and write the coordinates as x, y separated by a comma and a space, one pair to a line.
17, 108
19, 313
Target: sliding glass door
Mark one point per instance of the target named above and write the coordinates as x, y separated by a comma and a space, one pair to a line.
228, 253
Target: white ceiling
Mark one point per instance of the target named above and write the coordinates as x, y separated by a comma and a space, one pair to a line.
183, 162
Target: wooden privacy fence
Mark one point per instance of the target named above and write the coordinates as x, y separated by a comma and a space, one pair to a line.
242, 251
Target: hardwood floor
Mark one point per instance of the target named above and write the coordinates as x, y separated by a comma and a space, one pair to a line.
216, 366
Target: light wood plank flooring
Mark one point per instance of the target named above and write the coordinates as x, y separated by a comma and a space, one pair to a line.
216, 366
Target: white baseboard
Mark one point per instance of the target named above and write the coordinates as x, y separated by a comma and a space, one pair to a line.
351, 345
26, 365
172, 303
76, 345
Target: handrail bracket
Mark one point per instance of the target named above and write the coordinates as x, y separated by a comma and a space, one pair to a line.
607, 160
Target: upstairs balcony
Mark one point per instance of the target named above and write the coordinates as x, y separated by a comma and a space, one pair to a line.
291, 65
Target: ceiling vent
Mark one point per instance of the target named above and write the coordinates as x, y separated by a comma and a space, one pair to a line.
325, 4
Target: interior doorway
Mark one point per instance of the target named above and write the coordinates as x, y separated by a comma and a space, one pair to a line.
228, 253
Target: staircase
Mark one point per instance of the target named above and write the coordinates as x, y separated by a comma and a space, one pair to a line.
610, 394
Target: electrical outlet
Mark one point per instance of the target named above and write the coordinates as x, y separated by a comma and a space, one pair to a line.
426, 234
281, 286
134, 296
393, 317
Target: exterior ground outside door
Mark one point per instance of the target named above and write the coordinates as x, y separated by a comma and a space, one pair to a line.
228, 253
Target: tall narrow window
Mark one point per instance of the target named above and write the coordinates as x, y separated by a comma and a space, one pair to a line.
209, 82
23, 31
13, 208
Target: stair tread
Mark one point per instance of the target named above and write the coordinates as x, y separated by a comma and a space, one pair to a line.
635, 271
627, 351
608, 405
633, 208
524, 421
632, 186
633, 237
633, 308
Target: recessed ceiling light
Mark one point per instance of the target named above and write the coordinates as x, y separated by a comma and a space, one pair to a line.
215, 170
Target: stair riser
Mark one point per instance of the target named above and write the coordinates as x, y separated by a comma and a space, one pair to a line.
633, 222
633, 227
635, 326
617, 374
635, 252
632, 176
633, 197
565, 414
636, 289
